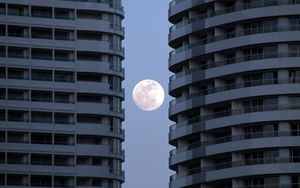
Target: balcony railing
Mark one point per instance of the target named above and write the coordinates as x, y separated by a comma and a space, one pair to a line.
234, 112
227, 87
292, 185
112, 5
233, 138
245, 6
242, 59
257, 161
234, 34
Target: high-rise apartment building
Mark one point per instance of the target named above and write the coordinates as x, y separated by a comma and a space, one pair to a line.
61, 93
236, 86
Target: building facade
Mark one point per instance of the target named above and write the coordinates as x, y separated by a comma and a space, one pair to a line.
61, 93
237, 94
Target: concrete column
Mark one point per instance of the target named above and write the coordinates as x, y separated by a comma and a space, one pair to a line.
205, 162
204, 137
285, 180
236, 183
218, 5
219, 82
238, 3
181, 143
283, 101
283, 76
239, 29
218, 31
283, 48
181, 118
193, 14
284, 153
193, 64
193, 38
283, 22
218, 57
205, 111
284, 128
236, 131
182, 168
193, 89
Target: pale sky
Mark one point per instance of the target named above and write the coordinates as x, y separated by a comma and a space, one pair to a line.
146, 145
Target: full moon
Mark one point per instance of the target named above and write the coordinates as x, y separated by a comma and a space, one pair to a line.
148, 95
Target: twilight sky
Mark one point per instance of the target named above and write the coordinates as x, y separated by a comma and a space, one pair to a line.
146, 144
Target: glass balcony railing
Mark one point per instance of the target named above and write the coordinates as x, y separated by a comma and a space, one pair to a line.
292, 185
256, 161
41, 57
228, 87
243, 59
112, 5
234, 112
175, 2
233, 138
245, 6
234, 35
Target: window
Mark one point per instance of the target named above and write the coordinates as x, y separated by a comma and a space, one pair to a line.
294, 76
41, 96
62, 97
17, 180
295, 127
64, 55
17, 137
18, 94
18, 116
41, 54
41, 138
41, 159
294, 50
64, 118
63, 139
67, 14
41, 12
41, 75
294, 24
64, 76
17, 73
63, 160
43, 181
2, 136
2, 73
86, 118
17, 10
41, 117
94, 15
87, 139
295, 155
41, 33
2, 179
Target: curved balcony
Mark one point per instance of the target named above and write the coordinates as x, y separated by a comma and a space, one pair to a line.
231, 67
232, 92
100, 129
231, 40
236, 143
99, 109
100, 67
239, 169
104, 5
234, 138
234, 112
99, 88
179, 6
222, 12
